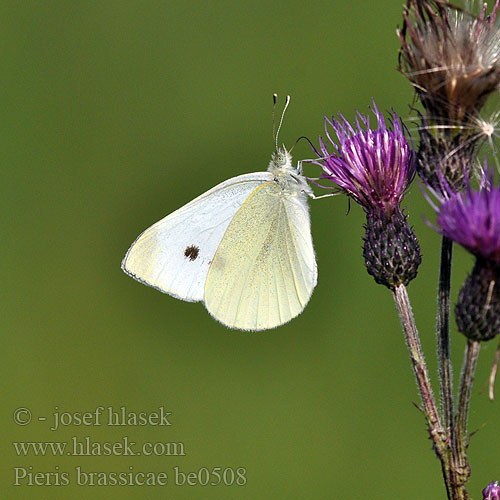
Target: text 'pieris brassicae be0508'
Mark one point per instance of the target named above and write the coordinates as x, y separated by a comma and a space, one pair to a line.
244, 248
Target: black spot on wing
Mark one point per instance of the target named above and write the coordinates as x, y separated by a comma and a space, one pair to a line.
191, 252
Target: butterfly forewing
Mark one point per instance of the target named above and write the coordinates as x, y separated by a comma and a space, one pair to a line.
174, 255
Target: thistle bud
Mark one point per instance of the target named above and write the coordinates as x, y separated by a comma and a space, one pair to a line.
478, 307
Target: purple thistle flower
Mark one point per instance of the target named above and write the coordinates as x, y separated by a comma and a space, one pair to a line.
374, 167
492, 491
472, 219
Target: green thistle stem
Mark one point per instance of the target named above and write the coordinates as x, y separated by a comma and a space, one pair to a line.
443, 335
464, 395
493, 374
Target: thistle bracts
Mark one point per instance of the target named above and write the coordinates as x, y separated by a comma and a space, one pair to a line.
444, 154
452, 58
478, 308
391, 249
375, 167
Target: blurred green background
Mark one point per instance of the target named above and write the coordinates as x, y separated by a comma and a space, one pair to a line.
115, 114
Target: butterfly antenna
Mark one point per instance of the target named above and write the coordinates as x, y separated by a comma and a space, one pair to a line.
275, 101
287, 102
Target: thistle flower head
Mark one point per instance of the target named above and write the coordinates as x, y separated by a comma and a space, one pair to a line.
373, 166
472, 219
452, 57
492, 491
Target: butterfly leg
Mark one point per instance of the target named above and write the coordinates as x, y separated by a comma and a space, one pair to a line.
314, 197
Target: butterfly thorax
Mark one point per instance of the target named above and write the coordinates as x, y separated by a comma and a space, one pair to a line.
286, 175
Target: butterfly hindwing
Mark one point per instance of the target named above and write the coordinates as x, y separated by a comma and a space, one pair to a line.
264, 271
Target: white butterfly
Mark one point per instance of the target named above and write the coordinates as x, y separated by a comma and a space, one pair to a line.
244, 248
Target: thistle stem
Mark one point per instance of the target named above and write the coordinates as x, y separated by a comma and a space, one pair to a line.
454, 487
493, 374
464, 395
403, 306
430, 411
443, 336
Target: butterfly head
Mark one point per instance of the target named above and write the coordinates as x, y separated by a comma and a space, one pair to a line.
286, 175
281, 159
